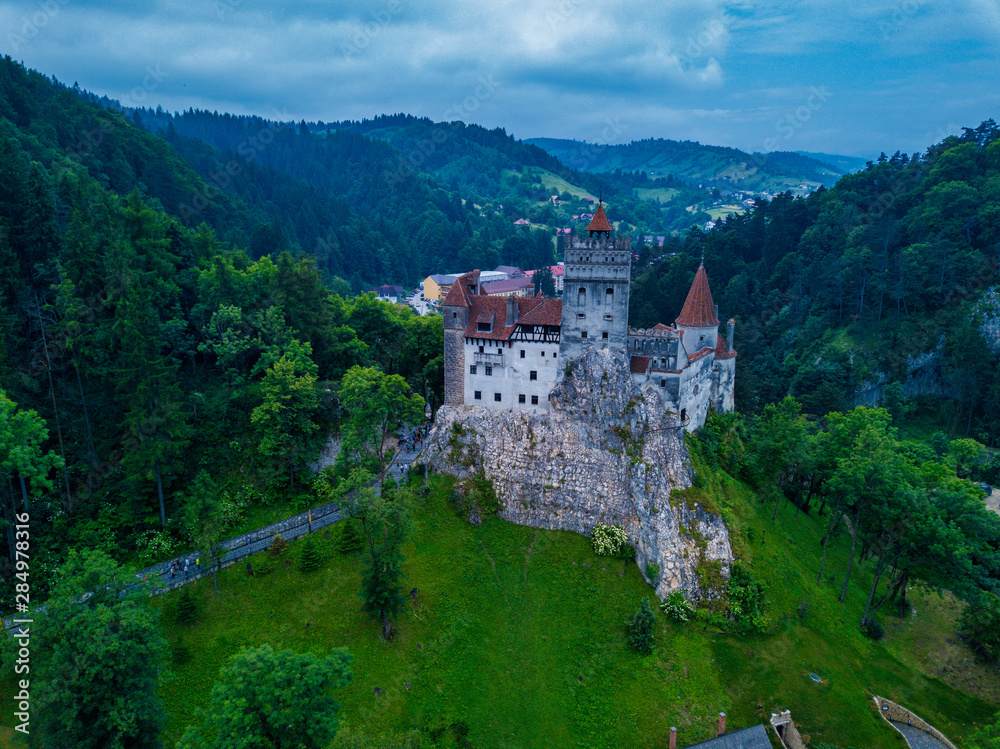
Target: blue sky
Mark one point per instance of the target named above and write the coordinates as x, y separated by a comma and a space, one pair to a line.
842, 77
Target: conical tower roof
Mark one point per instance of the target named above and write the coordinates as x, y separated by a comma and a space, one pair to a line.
699, 309
600, 221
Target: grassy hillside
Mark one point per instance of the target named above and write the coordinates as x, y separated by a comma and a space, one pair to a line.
716, 166
521, 635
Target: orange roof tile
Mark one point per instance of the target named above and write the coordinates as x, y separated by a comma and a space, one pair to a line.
699, 309
600, 221
721, 351
639, 364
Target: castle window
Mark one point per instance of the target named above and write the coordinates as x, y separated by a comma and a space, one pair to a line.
496, 397
663, 383
520, 398
481, 349
454, 315
696, 390
533, 375
684, 415
580, 316
604, 336
609, 294
522, 353
478, 395
583, 335
581, 297
489, 370
607, 318
534, 400
543, 353
472, 369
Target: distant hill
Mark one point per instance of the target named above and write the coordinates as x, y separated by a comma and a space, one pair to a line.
729, 169
843, 163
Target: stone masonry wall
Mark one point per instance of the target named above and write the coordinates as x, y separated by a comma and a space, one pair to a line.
607, 452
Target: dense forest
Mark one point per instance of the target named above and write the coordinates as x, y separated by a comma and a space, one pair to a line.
879, 279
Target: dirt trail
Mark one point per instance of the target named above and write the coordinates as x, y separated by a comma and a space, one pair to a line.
993, 501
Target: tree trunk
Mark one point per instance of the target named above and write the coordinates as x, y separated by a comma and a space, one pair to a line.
215, 581
822, 563
850, 562
778, 502
386, 627
24, 492
86, 415
159, 491
879, 568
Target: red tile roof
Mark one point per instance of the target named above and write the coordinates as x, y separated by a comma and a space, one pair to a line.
699, 309
721, 352
639, 364
661, 326
600, 221
530, 311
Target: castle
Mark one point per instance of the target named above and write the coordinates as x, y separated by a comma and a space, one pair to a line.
507, 352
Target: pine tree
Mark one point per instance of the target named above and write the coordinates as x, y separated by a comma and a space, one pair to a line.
350, 539
309, 559
642, 628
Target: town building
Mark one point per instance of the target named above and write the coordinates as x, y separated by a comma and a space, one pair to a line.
437, 286
387, 293
520, 286
507, 352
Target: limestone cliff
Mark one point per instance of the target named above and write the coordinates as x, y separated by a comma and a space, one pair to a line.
605, 453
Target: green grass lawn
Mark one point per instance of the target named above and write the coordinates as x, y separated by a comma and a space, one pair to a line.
557, 185
521, 634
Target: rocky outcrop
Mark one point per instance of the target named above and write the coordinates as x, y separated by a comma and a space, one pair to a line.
989, 308
605, 453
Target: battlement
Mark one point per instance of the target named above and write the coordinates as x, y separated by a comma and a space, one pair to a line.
574, 242
654, 333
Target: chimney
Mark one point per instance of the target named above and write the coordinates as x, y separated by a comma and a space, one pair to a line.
716, 311
474, 284
511, 311
729, 335
673, 737
722, 723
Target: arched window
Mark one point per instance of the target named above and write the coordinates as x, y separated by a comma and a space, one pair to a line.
581, 297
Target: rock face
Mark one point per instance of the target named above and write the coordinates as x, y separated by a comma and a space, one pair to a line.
605, 453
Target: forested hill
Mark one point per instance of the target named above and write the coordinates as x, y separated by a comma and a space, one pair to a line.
715, 166
880, 279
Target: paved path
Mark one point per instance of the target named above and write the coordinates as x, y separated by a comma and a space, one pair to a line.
916, 738
993, 501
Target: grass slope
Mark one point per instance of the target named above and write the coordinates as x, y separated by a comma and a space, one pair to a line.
521, 634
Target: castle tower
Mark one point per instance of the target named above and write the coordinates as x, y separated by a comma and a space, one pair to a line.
595, 289
455, 310
699, 319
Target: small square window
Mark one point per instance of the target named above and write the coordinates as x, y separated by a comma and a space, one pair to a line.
522, 353
496, 397
534, 400
663, 383
604, 336
481, 349
533, 375
543, 353
472, 369
478, 395
583, 335
580, 316
489, 370
520, 398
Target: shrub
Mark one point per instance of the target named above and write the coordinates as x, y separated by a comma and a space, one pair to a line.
187, 606
278, 546
652, 572
350, 538
980, 626
180, 652
309, 559
641, 637
609, 540
747, 601
676, 606
874, 630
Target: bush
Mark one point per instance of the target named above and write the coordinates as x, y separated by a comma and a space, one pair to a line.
747, 601
187, 606
278, 546
350, 540
652, 572
676, 606
980, 626
874, 630
309, 559
641, 637
609, 540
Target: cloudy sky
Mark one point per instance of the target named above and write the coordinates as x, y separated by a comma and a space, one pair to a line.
841, 77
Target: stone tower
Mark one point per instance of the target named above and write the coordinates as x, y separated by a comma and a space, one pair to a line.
595, 290
699, 318
455, 310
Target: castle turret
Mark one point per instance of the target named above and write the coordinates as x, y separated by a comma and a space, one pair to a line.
698, 319
455, 310
731, 325
595, 289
